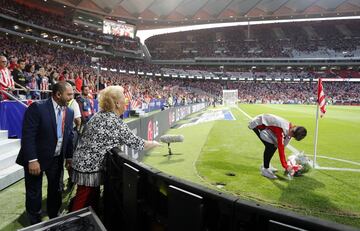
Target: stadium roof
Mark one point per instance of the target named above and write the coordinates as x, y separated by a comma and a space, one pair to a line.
189, 11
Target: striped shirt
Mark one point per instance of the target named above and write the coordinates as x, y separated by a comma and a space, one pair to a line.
6, 80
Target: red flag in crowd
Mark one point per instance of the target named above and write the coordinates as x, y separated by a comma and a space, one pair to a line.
135, 104
321, 98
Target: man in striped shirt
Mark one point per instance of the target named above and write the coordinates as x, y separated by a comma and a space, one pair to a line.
275, 133
6, 80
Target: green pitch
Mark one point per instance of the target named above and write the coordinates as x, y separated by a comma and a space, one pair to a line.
213, 149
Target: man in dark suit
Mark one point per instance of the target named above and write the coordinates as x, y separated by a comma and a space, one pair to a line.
47, 136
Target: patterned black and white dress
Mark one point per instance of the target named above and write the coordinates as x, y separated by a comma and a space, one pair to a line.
104, 131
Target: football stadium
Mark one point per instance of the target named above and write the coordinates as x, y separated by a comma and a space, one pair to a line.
179, 115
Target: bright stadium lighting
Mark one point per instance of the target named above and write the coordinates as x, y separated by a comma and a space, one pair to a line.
144, 34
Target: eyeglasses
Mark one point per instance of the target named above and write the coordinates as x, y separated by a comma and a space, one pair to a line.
4, 61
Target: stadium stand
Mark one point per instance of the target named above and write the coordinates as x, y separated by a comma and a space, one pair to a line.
58, 49
291, 40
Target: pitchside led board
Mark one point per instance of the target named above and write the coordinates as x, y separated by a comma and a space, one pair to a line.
119, 28
153, 126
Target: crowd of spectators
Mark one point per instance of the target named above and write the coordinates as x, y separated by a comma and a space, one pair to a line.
46, 65
321, 39
65, 24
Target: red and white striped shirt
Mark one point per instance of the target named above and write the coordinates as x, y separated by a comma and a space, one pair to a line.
44, 85
6, 80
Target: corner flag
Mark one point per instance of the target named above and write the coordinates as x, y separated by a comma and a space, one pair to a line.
320, 107
321, 98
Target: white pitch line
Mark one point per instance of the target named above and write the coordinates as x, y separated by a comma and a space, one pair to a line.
338, 169
341, 160
232, 115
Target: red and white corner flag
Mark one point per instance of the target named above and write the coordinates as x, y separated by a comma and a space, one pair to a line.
320, 107
321, 98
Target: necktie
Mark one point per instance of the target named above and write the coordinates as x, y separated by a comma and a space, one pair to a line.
59, 123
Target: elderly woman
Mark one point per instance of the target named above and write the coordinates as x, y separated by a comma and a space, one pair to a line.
103, 132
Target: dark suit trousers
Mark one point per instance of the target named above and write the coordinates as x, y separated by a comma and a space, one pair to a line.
33, 186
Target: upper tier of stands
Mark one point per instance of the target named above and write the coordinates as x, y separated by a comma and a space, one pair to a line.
65, 24
323, 39
290, 40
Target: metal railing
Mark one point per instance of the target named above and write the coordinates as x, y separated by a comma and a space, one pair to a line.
13, 97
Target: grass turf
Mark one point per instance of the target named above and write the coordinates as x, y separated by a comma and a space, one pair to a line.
12, 205
219, 147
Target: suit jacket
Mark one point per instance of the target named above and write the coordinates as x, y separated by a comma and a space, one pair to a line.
39, 135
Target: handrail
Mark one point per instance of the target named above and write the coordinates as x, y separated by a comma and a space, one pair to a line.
11, 96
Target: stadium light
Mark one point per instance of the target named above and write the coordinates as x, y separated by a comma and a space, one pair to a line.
145, 34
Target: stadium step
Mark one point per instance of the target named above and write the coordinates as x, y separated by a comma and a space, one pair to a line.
3, 135
9, 145
10, 175
10, 172
8, 159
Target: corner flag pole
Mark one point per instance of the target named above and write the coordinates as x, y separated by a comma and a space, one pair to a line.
316, 134
320, 107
